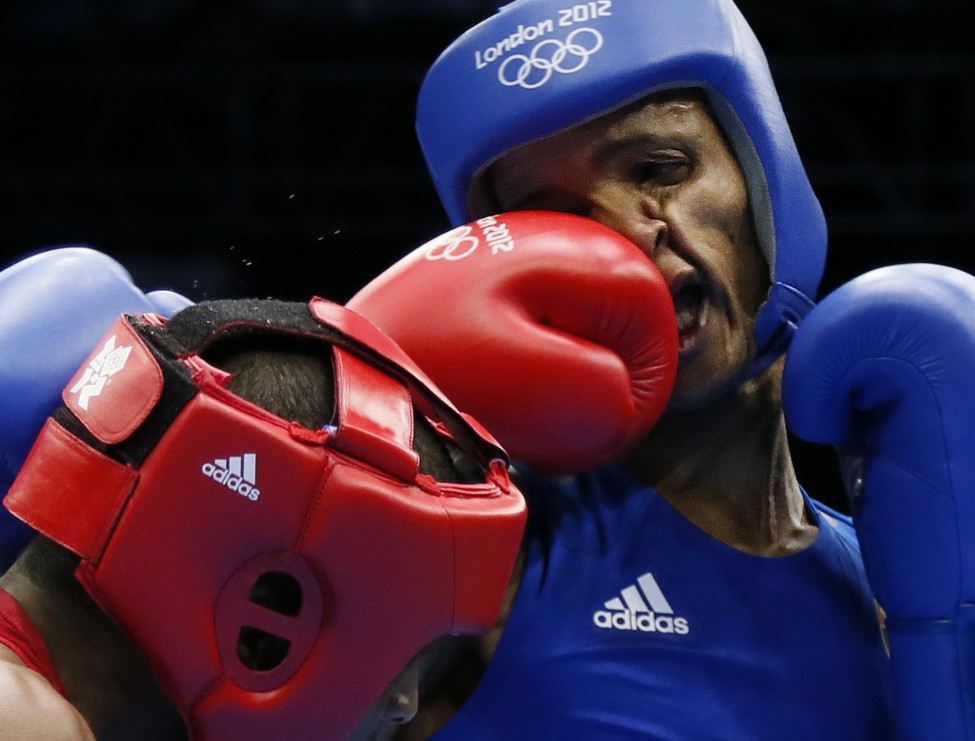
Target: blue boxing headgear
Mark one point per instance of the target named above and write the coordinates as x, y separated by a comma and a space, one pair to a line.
540, 66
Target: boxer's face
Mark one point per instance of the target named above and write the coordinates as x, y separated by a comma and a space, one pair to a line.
661, 173
399, 703
396, 706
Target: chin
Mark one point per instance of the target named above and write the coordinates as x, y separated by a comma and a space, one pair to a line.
700, 386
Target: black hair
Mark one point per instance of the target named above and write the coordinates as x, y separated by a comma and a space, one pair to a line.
292, 377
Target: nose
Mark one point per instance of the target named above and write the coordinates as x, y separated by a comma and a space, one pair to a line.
649, 233
403, 698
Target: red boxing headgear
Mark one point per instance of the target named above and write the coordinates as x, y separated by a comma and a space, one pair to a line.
188, 505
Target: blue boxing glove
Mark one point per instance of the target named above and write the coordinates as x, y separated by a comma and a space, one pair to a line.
54, 307
884, 368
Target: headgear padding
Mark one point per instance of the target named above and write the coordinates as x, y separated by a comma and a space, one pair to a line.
211, 529
540, 66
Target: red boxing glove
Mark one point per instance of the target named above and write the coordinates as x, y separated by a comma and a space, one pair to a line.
555, 332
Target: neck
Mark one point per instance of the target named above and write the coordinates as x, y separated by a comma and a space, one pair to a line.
727, 468
105, 677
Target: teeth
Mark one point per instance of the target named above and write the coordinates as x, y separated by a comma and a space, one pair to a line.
685, 318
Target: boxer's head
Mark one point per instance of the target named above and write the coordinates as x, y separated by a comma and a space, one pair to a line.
277, 569
539, 67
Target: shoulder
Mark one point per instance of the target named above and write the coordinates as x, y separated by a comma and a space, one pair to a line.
31, 708
841, 524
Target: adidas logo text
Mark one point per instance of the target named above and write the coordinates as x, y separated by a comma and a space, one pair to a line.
238, 473
645, 622
641, 607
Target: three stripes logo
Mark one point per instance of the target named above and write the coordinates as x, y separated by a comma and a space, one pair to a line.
641, 607
238, 473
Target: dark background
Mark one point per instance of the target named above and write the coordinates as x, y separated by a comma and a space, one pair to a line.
265, 147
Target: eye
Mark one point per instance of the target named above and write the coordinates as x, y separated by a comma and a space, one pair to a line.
660, 170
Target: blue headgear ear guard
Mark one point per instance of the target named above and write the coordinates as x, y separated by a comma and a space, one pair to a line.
539, 66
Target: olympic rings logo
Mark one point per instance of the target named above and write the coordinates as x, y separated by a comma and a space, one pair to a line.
454, 245
550, 56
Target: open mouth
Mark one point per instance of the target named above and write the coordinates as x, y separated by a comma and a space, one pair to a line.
688, 295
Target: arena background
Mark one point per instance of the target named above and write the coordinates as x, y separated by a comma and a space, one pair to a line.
265, 147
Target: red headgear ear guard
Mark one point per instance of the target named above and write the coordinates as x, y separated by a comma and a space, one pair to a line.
207, 525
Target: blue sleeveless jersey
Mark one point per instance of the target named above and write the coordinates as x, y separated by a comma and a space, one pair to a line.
631, 623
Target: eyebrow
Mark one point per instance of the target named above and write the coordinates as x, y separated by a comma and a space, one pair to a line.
635, 142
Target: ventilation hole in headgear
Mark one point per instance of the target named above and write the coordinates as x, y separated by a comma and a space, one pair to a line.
277, 591
261, 651
258, 649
